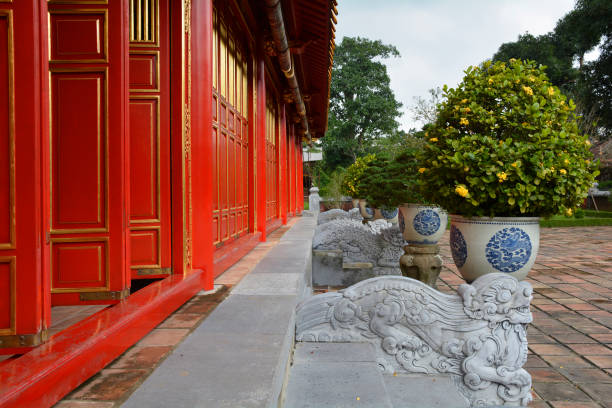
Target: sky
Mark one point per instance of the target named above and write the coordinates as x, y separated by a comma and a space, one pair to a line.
439, 39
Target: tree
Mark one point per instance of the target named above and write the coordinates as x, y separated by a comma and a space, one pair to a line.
545, 50
362, 107
425, 110
588, 25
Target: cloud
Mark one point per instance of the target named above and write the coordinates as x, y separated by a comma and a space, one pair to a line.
438, 39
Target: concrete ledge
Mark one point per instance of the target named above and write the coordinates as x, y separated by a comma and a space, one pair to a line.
239, 356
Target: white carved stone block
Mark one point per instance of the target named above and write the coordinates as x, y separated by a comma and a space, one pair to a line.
477, 336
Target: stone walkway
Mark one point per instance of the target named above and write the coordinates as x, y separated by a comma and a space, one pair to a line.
570, 340
117, 381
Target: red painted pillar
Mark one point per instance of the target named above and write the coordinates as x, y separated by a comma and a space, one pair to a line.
201, 139
300, 188
294, 180
261, 146
283, 164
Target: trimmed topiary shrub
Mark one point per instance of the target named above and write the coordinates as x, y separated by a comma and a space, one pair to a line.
506, 143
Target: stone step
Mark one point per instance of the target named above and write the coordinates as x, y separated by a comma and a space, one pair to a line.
335, 375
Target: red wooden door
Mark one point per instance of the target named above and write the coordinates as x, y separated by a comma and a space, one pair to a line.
271, 159
87, 163
230, 128
149, 136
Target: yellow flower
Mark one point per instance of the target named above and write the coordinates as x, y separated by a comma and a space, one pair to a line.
422, 170
551, 91
464, 101
517, 81
490, 80
531, 78
426, 134
528, 90
502, 176
464, 121
512, 60
466, 168
462, 191
467, 110
566, 161
552, 168
514, 164
587, 143
588, 162
433, 139
525, 124
549, 122
562, 171
569, 212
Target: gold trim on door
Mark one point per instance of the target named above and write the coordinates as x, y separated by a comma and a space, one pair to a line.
80, 240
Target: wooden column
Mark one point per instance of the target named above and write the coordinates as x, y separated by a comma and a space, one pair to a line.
261, 146
201, 144
283, 164
300, 171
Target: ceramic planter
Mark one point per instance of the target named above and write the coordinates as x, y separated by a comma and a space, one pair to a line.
355, 202
366, 212
422, 224
482, 245
389, 215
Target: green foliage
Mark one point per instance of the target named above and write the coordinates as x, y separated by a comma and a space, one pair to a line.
506, 143
362, 106
389, 182
354, 172
578, 32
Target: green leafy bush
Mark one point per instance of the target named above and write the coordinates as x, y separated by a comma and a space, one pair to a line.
506, 143
388, 183
350, 183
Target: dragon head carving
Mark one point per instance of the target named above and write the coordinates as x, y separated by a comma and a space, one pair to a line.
497, 297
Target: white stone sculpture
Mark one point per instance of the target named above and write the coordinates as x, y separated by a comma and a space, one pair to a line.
336, 214
381, 245
477, 336
314, 200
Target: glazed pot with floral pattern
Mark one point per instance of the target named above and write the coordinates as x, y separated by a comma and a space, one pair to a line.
391, 215
481, 245
366, 212
422, 224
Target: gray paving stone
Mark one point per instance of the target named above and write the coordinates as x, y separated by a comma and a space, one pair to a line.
420, 391
280, 265
268, 284
214, 370
245, 315
334, 352
336, 385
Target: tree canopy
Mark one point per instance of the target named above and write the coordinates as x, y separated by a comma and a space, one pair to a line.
362, 107
563, 51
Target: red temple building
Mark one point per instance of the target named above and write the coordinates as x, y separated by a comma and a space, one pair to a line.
154, 140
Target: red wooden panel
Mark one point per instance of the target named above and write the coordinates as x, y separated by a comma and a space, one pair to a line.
7, 182
231, 182
144, 153
80, 265
88, 45
214, 108
7, 285
231, 120
78, 150
223, 171
223, 114
215, 140
144, 67
224, 222
232, 224
215, 223
145, 248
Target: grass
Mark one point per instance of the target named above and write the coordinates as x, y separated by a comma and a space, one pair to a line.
591, 219
306, 205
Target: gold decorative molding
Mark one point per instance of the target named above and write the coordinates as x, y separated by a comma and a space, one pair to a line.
24, 340
82, 240
113, 295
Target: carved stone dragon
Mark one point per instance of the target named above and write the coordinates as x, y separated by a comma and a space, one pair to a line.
337, 214
478, 336
377, 242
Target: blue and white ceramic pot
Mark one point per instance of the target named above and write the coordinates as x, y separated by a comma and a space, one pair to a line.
355, 202
389, 215
366, 212
482, 245
422, 224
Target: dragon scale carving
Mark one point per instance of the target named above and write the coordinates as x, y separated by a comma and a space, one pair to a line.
478, 335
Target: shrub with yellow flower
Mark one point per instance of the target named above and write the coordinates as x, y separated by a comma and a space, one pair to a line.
511, 145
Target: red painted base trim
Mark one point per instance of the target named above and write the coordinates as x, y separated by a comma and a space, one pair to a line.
230, 254
43, 376
273, 225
